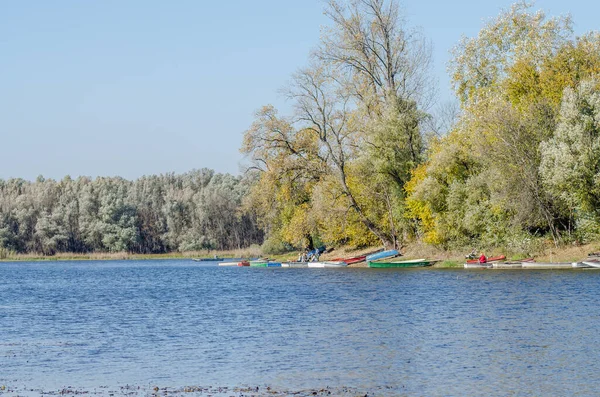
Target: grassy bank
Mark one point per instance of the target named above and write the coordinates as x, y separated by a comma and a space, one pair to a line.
98, 256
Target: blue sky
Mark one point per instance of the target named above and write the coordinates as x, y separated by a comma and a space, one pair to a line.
141, 87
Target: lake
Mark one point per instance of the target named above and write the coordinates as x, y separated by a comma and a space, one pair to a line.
105, 326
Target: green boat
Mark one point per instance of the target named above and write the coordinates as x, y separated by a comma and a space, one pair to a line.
258, 264
396, 263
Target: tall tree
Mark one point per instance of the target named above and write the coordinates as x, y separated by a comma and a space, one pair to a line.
357, 121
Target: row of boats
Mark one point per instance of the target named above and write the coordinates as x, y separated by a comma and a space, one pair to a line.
591, 262
382, 259
393, 259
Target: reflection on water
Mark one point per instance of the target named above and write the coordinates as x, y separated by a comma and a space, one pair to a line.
177, 323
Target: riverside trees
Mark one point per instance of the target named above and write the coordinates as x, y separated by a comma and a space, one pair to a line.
500, 176
353, 164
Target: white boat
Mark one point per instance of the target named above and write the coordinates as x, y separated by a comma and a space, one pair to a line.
507, 265
327, 264
547, 265
314, 264
478, 265
592, 263
229, 263
294, 264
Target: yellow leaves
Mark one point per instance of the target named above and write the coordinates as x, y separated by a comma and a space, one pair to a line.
420, 209
523, 84
299, 225
481, 64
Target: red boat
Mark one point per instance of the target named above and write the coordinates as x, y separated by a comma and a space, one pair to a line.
491, 259
350, 261
356, 259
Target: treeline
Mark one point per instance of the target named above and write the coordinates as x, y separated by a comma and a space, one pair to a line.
364, 160
153, 214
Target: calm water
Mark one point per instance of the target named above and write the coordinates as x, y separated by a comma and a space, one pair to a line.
178, 323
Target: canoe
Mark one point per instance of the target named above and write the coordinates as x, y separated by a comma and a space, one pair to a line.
382, 255
273, 264
401, 264
490, 259
327, 264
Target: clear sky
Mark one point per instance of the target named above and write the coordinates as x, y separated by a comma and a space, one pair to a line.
139, 87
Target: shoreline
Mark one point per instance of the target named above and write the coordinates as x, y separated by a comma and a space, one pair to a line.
445, 259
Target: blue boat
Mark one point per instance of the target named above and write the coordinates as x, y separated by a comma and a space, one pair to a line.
382, 255
273, 264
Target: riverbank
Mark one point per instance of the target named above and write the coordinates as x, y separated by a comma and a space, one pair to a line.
251, 252
456, 258
444, 258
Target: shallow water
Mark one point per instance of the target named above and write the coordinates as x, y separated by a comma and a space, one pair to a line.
385, 331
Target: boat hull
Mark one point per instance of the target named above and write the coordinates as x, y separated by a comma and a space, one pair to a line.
401, 264
547, 265
294, 264
491, 259
327, 264
382, 255
314, 264
592, 263
228, 263
258, 264
477, 265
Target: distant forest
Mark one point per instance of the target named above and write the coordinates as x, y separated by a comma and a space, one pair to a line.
154, 214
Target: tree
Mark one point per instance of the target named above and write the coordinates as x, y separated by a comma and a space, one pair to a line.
509, 79
356, 129
570, 162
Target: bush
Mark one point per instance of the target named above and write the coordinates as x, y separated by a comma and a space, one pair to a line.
274, 246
